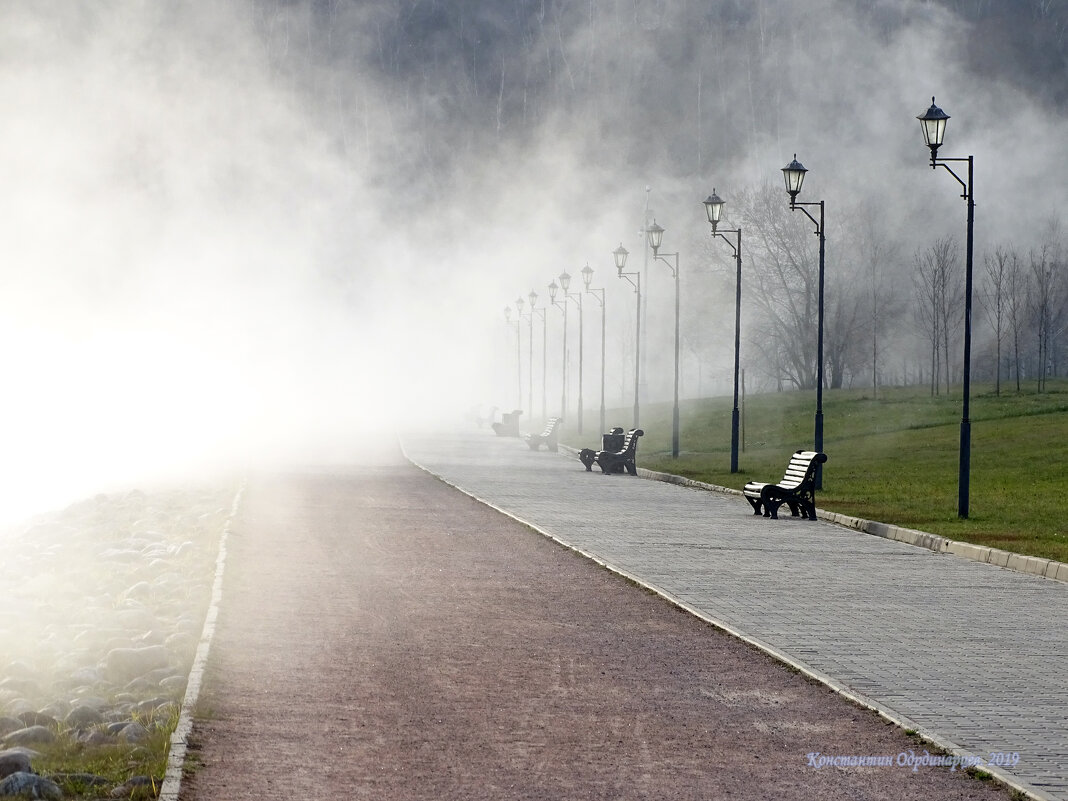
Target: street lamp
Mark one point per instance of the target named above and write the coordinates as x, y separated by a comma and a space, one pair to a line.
565, 284
533, 297
553, 289
933, 123
518, 364
587, 277
620, 255
794, 173
714, 208
656, 238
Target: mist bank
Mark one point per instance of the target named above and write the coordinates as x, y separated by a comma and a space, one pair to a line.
249, 232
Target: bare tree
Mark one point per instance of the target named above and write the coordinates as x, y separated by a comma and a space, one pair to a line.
996, 301
1016, 305
940, 293
782, 282
925, 311
876, 257
1045, 300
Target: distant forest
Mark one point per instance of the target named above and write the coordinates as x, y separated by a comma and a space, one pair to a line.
470, 73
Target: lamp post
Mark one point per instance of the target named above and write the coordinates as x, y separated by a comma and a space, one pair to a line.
518, 364
714, 208
533, 297
656, 238
519, 303
565, 284
933, 123
620, 255
553, 289
587, 278
794, 173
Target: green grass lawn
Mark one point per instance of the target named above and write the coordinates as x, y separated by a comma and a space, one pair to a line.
893, 458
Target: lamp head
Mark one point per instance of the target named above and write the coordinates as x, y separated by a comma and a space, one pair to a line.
794, 173
552, 291
620, 255
714, 208
565, 281
933, 123
519, 306
533, 296
587, 275
656, 236
508, 314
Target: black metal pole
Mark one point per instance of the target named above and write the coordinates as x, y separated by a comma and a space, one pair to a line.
603, 312
563, 377
737, 348
637, 347
581, 339
675, 408
737, 248
657, 256
964, 477
818, 433
599, 296
530, 365
519, 362
964, 471
819, 359
544, 362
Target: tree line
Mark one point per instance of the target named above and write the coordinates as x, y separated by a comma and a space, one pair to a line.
892, 317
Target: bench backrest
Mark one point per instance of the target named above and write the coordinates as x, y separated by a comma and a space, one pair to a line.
630, 442
550, 426
802, 468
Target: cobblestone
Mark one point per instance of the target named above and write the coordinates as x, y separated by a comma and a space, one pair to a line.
969, 653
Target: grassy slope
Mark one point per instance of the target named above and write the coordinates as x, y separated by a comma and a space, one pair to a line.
892, 459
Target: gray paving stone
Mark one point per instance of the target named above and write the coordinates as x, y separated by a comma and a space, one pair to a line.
971, 652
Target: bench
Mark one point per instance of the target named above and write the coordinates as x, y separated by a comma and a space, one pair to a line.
610, 441
797, 488
549, 437
509, 425
615, 461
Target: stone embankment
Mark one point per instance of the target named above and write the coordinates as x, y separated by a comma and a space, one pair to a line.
103, 606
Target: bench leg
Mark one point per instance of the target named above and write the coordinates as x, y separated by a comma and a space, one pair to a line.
755, 503
771, 500
587, 457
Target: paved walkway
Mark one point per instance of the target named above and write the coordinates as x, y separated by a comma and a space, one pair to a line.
969, 654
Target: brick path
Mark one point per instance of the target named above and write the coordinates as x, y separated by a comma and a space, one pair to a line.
969, 654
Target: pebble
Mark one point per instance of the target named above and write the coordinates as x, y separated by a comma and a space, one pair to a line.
15, 760
30, 735
30, 784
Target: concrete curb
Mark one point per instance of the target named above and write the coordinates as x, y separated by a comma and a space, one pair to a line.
1032, 565
172, 777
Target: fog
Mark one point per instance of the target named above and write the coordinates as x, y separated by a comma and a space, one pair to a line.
252, 232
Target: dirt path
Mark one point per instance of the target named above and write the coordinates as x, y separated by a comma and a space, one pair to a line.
383, 636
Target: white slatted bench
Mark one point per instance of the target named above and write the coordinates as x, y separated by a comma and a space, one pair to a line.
549, 437
797, 488
509, 424
616, 461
